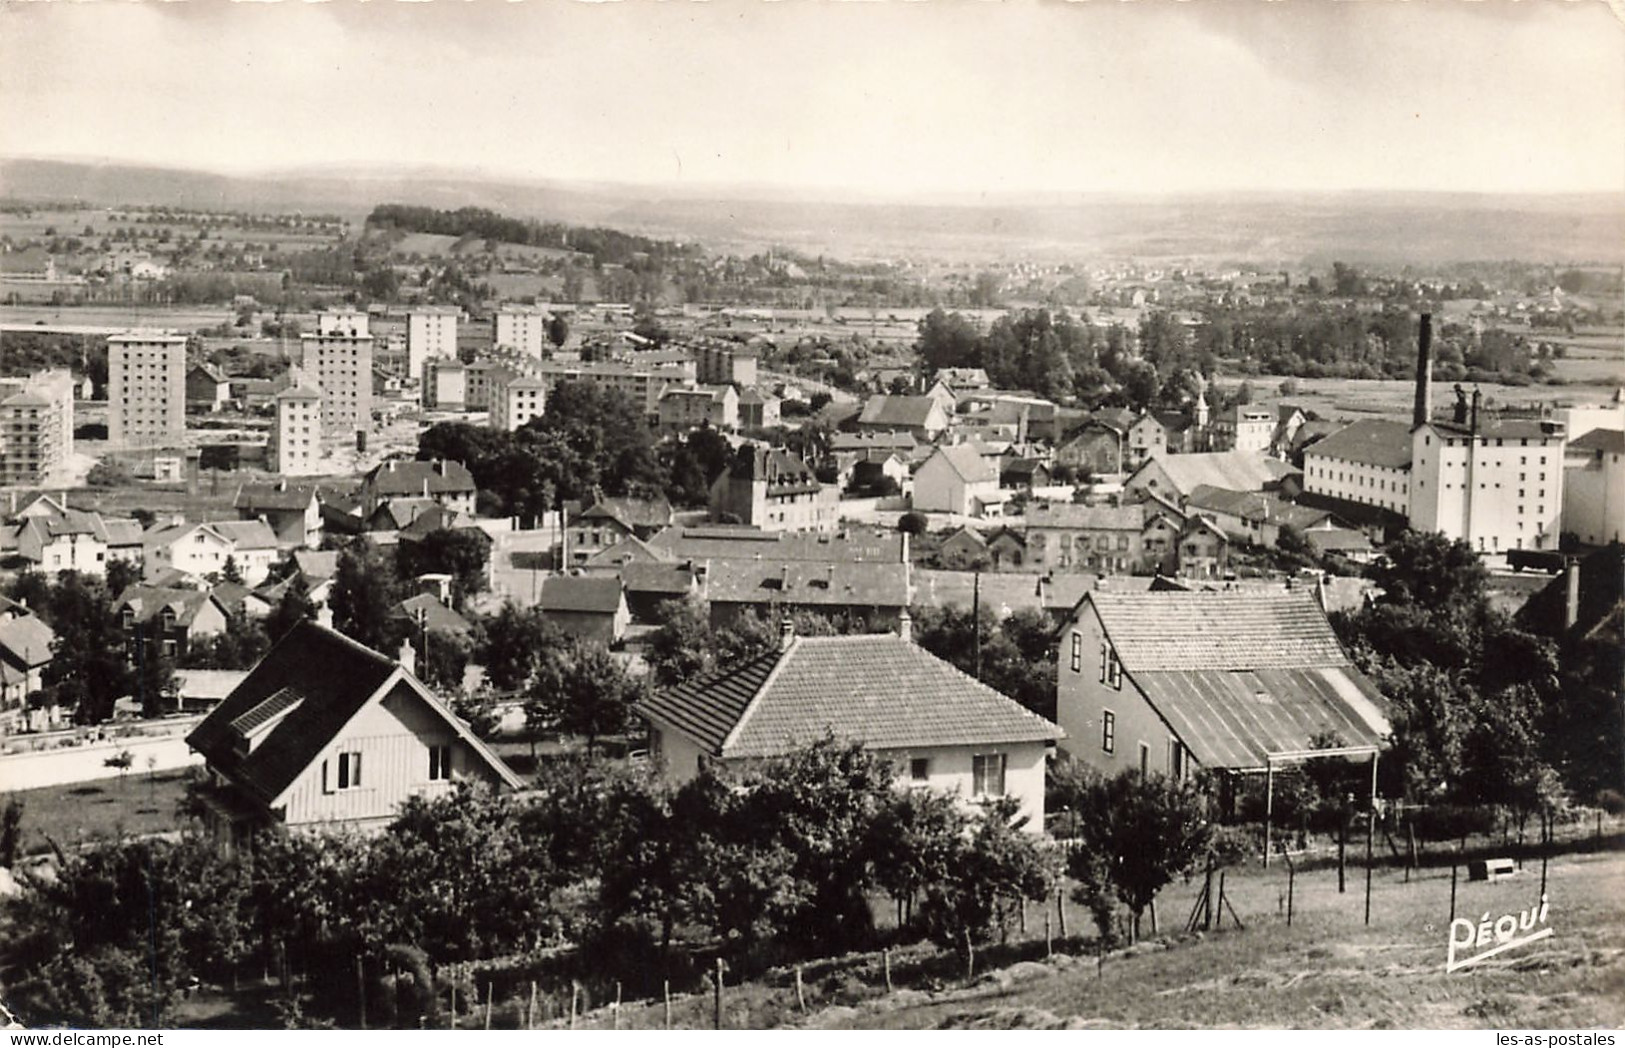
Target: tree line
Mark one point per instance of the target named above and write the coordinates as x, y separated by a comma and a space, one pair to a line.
604, 245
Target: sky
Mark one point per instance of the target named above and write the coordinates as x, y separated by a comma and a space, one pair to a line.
906, 99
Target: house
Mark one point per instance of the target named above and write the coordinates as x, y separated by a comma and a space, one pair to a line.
854, 544
649, 584
1202, 550
201, 550
26, 645
1243, 427
1068, 537
588, 607
958, 480
965, 548
847, 447
963, 380
1586, 603
425, 613
1348, 543
1255, 517
1289, 419
774, 490
1367, 462
611, 521
874, 593
683, 408
1096, 448
759, 410
238, 599
1146, 438
940, 728
1173, 682
448, 483
51, 537
292, 510
166, 619
1007, 548
1174, 477
207, 388
1024, 474
1494, 483
1594, 487
878, 473
203, 690
327, 734
921, 417
1179, 433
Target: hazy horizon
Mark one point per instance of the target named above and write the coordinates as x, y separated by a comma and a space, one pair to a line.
935, 103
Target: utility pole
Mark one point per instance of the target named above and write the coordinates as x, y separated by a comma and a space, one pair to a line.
976, 620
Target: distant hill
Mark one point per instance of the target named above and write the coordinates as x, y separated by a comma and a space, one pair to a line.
1251, 228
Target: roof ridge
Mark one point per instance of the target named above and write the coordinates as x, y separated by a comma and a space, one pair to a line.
784, 655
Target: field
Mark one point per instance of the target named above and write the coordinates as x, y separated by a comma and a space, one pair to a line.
103, 810
1328, 969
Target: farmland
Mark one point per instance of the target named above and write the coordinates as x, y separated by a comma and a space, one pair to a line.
102, 811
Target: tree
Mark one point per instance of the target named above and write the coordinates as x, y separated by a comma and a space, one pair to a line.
365, 590
515, 642
558, 329
913, 523
294, 607
230, 572
11, 832
1149, 828
462, 553
915, 840
1432, 571
987, 875
581, 689
88, 671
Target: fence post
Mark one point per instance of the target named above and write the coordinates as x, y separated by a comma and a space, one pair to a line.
615, 1012
970, 957
1060, 909
1453, 868
1599, 829
716, 1009
885, 966
1291, 877
665, 994
801, 994
490, 1001
361, 991
1342, 851
1049, 944
575, 990
1207, 897
530, 1008
454, 1000
1370, 835
1023, 916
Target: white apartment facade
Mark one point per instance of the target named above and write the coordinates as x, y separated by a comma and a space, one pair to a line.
431, 332
342, 367
1594, 487
523, 328
1496, 485
351, 322
36, 426
296, 435
146, 389
517, 402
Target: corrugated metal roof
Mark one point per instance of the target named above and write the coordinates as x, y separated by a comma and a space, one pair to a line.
1233, 718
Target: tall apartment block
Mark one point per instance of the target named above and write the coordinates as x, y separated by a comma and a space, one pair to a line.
146, 389
520, 327
431, 332
296, 435
36, 426
342, 322
342, 367
725, 363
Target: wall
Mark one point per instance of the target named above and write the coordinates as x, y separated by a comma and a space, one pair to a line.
27, 771
1081, 697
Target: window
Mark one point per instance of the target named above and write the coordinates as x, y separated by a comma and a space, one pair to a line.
1108, 731
1145, 760
349, 772
1176, 760
1114, 669
1077, 653
440, 762
919, 769
987, 775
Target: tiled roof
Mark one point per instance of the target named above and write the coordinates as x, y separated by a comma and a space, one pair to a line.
1254, 505
1091, 518
1340, 540
675, 579
425, 610
1218, 631
1372, 442
890, 410
802, 582
1611, 441
316, 565
27, 639
398, 477
878, 690
245, 534
633, 513
899, 441
968, 463
1236, 470
147, 601
1503, 429
280, 701
335, 677
208, 684
274, 496
122, 531
743, 542
581, 593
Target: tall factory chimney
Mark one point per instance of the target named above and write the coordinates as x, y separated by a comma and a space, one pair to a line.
1424, 372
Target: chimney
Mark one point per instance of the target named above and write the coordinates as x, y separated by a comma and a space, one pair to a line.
1571, 603
1424, 372
787, 633
408, 657
905, 626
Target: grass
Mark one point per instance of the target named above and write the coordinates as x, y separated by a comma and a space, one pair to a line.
102, 810
1327, 970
